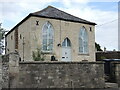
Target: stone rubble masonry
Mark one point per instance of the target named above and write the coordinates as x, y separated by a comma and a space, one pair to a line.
117, 72
61, 75
51, 74
5, 71
0, 72
107, 55
10, 64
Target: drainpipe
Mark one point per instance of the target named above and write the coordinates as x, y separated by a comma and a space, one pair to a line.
23, 48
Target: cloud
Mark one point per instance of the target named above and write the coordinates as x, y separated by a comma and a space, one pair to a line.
13, 11
107, 24
78, 1
1, 16
107, 35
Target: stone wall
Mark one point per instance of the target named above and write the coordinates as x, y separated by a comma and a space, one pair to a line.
51, 74
114, 75
61, 75
10, 64
5, 71
117, 72
0, 72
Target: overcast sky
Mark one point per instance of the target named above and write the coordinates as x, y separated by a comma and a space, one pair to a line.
102, 12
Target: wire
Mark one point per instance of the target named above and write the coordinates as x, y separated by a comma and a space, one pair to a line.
107, 22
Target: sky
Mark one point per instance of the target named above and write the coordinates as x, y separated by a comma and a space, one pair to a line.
103, 12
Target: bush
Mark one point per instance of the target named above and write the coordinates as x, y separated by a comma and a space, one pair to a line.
103, 57
38, 55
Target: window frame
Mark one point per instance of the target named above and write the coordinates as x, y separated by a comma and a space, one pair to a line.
47, 38
67, 42
84, 51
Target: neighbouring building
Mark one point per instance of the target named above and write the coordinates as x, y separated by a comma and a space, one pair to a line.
100, 55
55, 32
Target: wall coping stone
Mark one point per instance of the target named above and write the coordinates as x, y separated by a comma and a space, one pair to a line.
12, 53
59, 62
6, 56
108, 52
116, 62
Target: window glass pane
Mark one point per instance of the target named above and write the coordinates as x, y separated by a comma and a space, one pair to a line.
85, 35
45, 28
44, 41
81, 49
50, 41
80, 45
50, 36
44, 47
44, 36
68, 42
63, 44
83, 41
47, 37
50, 47
81, 33
85, 47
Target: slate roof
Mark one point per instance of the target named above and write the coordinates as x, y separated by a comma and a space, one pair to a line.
54, 13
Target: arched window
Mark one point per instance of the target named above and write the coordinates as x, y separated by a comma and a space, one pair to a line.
83, 41
47, 37
66, 43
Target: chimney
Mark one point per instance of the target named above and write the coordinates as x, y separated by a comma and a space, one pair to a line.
105, 49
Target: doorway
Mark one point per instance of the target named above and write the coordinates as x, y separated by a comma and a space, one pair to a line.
66, 50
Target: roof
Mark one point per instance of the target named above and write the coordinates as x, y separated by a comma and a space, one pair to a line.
54, 13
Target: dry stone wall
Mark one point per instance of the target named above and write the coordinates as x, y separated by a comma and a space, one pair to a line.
61, 75
54, 74
117, 72
1, 72
5, 71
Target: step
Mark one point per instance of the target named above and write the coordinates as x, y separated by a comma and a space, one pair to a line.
111, 85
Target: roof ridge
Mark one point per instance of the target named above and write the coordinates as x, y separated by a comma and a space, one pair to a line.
71, 14
49, 6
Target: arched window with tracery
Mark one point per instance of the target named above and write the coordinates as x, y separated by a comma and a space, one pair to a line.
83, 41
47, 37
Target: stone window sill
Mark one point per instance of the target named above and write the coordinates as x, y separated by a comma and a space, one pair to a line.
47, 52
87, 54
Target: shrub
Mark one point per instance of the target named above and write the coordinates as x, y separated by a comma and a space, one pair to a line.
38, 55
103, 57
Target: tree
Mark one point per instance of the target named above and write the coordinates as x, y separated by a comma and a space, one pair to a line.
2, 34
98, 47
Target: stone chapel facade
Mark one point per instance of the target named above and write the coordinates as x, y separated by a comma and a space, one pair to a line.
55, 32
